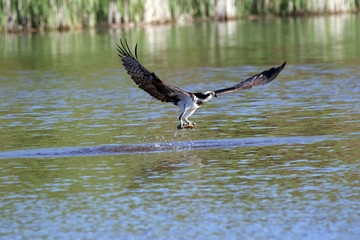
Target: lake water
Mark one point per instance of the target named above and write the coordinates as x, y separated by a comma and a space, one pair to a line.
85, 154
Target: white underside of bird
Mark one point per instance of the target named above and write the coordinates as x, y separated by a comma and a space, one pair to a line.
188, 106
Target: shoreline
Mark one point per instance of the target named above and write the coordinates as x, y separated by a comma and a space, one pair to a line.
115, 26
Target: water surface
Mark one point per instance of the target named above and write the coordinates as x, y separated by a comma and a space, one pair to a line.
85, 154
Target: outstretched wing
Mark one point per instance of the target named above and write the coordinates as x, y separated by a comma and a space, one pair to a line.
147, 80
256, 80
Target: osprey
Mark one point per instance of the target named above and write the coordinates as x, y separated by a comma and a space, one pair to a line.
187, 101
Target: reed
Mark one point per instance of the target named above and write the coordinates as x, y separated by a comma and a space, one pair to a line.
19, 15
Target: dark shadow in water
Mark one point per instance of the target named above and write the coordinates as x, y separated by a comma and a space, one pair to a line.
162, 147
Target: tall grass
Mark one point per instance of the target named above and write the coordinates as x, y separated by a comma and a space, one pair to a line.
19, 15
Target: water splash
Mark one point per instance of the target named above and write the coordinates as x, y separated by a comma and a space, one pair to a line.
162, 147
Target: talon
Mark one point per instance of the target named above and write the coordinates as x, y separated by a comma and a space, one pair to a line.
180, 126
190, 125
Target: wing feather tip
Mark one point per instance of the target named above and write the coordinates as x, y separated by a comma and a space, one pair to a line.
282, 65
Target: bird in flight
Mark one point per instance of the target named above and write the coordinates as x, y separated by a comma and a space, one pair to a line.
188, 102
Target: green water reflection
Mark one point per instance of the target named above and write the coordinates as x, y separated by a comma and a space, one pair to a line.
260, 42
68, 89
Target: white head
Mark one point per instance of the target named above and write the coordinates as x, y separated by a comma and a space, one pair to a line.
201, 98
208, 95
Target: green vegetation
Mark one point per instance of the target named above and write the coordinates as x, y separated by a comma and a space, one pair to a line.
19, 15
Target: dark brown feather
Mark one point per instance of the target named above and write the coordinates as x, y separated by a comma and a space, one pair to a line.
146, 80
256, 80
